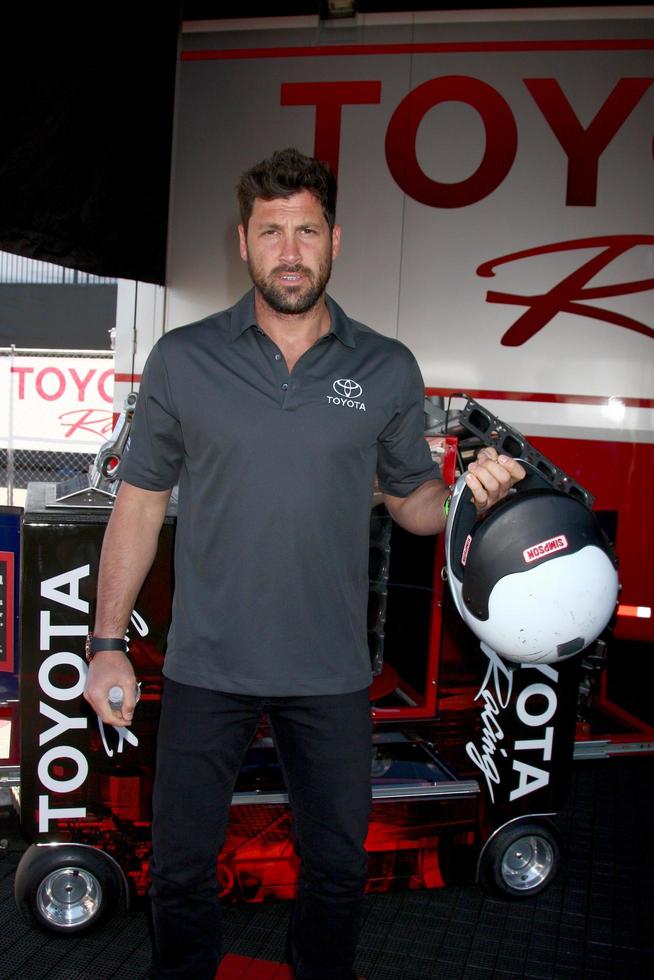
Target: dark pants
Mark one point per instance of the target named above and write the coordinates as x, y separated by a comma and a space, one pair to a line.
324, 745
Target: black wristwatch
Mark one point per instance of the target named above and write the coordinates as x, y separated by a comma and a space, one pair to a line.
96, 644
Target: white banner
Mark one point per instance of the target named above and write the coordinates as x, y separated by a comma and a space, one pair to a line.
56, 403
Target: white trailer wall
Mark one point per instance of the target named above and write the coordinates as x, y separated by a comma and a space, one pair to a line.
526, 131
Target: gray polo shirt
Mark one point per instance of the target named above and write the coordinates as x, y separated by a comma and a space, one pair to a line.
275, 474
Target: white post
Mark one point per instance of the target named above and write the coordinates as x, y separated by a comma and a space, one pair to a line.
140, 321
10, 430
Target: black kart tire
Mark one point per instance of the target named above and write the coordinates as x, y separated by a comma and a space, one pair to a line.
521, 859
65, 888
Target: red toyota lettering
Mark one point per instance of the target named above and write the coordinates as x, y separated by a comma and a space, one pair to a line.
97, 421
583, 147
329, 99
21, 372
81, 383
102, 385
499, 154
565, 296
61, 384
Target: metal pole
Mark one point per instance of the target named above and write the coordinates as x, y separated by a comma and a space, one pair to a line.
10, 433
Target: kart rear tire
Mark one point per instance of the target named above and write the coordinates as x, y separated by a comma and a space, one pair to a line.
521, 859
65, 888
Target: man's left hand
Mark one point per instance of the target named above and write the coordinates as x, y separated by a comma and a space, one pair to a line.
491, 477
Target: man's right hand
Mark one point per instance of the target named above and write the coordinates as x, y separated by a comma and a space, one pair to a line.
128, 550
111, 668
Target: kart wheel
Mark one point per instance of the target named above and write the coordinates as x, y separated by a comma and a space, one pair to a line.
65, 888
520, 859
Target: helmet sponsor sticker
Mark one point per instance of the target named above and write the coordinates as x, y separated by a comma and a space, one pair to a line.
466, 549
544, 548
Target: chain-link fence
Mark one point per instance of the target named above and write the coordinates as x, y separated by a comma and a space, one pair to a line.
56, 410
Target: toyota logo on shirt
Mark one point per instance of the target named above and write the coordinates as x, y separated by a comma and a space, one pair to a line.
347, 394
347, 388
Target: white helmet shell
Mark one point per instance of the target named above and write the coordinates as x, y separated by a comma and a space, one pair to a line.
535, 578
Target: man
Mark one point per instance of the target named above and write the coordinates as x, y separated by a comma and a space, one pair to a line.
273, 417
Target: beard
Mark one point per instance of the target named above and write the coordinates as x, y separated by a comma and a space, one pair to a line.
294, 299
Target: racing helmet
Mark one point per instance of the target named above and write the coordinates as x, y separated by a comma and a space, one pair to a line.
535, 577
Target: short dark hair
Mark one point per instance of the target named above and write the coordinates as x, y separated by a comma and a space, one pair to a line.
285, 173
